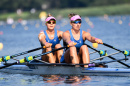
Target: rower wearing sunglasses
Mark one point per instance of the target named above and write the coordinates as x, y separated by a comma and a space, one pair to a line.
51, 38
75, 38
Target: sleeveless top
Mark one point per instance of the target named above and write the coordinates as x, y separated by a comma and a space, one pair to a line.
54, 41
79, 42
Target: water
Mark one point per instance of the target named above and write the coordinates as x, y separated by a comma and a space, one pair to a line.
113, 30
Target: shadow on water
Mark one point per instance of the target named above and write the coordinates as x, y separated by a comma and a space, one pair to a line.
57, 79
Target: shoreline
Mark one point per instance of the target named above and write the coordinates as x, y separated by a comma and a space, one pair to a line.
112, 10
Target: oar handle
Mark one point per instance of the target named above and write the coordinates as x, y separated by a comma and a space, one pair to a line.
46, 47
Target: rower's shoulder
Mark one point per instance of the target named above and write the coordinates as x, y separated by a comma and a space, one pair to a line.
58, 31
41, 33
66, 33
86, 33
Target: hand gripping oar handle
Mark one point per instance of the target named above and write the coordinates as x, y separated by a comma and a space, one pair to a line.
29, 58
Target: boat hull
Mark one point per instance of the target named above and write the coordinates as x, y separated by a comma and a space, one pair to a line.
42, 69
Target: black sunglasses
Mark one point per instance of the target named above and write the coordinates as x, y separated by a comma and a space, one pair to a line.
53, 22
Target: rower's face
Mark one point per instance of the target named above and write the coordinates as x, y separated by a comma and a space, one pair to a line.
76, 25
51, 24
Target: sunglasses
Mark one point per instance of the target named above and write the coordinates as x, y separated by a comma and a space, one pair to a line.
51, 22
76, 22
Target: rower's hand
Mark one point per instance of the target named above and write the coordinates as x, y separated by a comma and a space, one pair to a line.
99, 41
71, 44
47, 45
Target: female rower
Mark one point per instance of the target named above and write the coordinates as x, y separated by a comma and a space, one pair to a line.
77, 53
50, 38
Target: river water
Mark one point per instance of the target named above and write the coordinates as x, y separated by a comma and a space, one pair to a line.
23, 36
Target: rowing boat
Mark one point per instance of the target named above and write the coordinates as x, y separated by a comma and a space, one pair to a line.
28, 65
39, 68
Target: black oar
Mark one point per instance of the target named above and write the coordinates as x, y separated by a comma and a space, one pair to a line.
101, 63
6, 58
111, 47
126, 52
106, 62
109, 56
29, 58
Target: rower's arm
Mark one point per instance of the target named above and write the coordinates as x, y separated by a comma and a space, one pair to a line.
41, 38
87, 36
90, 38
60, 34
66, 37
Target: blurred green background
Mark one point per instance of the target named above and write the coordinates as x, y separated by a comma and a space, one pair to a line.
30, 9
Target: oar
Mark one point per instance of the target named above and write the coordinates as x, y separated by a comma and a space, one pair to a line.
111, 47
89, 64
101, 63
104, 56
6, 58
106, 62
29, 58
108, 56
125, 52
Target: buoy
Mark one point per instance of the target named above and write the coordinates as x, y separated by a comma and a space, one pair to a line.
95, 45
1, 46
42, 16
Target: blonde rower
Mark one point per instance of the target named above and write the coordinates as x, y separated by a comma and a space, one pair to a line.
50, 38
77, 53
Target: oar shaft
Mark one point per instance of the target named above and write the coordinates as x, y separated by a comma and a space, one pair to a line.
23, 60
109, 55
120, 61
48, 52
8, 65
92, 52
111, 47
19, 54
6, 58
92, 48
104, 56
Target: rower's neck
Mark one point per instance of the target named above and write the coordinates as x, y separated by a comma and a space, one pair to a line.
75, 31
49, 31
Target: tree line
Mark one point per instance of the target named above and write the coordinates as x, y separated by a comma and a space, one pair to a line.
26, 5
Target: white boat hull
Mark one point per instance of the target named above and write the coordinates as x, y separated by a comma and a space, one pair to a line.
64, 70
